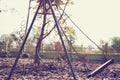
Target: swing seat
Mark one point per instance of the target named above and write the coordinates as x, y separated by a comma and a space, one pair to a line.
100, 68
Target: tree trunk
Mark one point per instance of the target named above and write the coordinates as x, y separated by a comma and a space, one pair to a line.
39, 43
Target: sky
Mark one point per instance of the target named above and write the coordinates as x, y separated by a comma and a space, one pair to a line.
99, 19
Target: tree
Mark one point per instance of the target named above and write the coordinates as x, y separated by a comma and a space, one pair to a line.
18, 36
70, 35
59, 2
5, 45
46, 20
5, 42
58, 49
116, 43
2, 43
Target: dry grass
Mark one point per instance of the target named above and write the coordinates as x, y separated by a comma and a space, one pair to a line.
51, 69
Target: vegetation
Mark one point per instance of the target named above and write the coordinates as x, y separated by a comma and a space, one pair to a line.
116, 43
51, 51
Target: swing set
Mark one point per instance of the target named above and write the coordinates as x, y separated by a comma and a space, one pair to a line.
48, 6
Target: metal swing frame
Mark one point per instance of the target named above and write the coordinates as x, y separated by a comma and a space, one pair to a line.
65, 50
27, 34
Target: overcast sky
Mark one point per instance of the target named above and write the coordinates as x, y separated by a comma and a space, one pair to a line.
99, 19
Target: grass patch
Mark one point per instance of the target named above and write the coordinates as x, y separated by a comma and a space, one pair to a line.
52, 54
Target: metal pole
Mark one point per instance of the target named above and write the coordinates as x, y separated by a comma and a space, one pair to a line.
24, 41
65, 50
28, 14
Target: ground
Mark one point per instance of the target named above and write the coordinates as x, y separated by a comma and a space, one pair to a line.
52, 69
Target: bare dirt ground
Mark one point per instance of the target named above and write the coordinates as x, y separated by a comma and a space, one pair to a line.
51, 69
